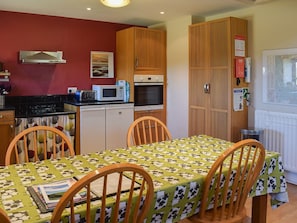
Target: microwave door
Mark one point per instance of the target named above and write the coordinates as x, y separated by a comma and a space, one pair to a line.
109, 93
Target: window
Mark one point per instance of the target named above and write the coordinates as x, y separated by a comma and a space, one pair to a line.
280, 76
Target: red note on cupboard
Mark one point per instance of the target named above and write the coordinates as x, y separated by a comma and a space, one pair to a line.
239, 67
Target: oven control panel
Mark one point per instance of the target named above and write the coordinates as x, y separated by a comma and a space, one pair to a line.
147, 78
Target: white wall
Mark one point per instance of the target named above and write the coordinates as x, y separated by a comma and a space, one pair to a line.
177, 74
271, 26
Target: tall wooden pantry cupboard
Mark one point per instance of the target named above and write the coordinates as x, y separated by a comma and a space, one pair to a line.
216, 107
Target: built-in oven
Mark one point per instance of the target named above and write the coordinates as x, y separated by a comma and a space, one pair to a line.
148, 92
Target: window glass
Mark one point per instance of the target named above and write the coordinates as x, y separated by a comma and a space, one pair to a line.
280, 76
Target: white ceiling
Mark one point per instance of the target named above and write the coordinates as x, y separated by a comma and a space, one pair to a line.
139, 12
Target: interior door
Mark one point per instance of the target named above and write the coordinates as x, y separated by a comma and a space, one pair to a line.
219, 55
198, 80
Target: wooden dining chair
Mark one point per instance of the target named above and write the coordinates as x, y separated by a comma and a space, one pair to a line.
229, 182
38, 143
135, 210
146, 130
3, 217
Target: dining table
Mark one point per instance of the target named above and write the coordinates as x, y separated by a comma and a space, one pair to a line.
178, 168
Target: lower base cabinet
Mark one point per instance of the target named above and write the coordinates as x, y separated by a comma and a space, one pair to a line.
159, 114
6, 132
118, 120
101, 127
92, 129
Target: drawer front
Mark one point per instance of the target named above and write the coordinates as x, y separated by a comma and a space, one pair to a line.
6, 116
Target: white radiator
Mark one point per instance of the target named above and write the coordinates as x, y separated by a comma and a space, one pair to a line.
280, 135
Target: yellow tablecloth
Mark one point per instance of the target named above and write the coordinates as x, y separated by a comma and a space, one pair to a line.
178, 168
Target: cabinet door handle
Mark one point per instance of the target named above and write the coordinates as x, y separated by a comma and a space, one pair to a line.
136, 62
1, 116
206, 88
120, 113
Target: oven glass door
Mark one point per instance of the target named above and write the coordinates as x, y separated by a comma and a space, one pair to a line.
148, 95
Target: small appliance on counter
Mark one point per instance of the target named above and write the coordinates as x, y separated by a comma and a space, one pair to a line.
126, 86
109, 92
85, 95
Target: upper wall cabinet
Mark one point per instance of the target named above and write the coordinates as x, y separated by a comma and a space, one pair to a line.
140, 49
149, 49
213, 86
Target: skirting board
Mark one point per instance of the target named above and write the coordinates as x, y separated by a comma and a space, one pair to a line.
291, 177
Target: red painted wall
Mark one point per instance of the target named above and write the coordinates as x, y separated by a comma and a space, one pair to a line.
75, 37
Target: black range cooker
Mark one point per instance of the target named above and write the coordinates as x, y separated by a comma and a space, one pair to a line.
43, 110
41, 105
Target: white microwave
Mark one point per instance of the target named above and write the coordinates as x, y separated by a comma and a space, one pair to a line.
109, 92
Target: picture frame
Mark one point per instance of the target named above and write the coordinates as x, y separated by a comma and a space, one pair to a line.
102, 64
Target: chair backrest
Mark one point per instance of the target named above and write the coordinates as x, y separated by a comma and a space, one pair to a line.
135, 209
146, 130
38, 143
240, 164
3, 217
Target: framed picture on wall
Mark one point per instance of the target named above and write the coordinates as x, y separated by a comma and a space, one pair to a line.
101, 64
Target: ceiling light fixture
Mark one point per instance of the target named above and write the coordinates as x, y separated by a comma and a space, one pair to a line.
115, 3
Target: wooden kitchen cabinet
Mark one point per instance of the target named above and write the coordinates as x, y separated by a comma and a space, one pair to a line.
155, 113
6, 132
159, 114
141, 51
149, 49
212, 78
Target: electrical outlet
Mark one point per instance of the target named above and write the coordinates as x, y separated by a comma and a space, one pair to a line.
71, 90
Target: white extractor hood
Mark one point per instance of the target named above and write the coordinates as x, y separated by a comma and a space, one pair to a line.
41, 57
